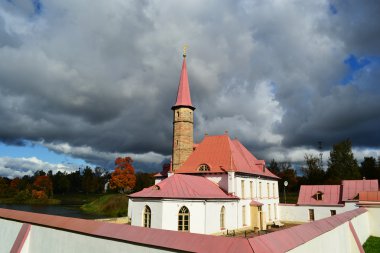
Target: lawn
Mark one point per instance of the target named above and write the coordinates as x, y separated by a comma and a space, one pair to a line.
372, 245
110, 205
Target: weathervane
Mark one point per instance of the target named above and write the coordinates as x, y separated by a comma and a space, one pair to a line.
184, 50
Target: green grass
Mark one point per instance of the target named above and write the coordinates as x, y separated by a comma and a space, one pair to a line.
77, 198
372, 245
111, 205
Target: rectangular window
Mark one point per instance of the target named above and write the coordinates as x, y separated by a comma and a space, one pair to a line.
260, 190
242, 189
333, 212
268, 195
243, 215
275, 211
274, 190
251, 188
311, 214
269, 212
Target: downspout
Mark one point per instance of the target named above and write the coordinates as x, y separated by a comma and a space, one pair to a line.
205, 217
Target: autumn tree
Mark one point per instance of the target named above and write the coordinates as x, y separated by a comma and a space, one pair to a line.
44, 184
313, 174
342, 164
123, 178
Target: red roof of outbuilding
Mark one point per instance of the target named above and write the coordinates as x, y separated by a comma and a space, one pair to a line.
370, 196
351, 188
330, 195
183, 96
222, 154
184, 187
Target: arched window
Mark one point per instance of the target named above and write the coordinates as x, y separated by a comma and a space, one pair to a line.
147, 217
184, 219
204, 167
222, 217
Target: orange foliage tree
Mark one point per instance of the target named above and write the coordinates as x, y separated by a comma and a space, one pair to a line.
123, 178
43, 183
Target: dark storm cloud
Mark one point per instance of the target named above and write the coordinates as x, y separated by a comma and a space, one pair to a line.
98, 82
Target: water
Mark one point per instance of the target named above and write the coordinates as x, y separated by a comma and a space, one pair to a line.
61, 210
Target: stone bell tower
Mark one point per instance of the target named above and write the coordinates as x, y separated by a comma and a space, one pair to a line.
183, 121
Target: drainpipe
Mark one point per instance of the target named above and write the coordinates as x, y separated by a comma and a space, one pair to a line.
205, 217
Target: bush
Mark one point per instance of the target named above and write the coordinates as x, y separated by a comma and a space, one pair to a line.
22, 196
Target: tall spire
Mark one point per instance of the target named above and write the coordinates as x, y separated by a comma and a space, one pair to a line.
183, 94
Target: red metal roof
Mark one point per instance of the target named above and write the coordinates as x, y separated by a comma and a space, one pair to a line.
330, 195
373, 196
183, 95
222, 154
157, 238
184, 187
351, 188
287, 239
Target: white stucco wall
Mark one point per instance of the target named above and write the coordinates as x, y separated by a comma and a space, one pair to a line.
339, 239
263, 196
374, 220
220, 179
295, 213
136, 209
8, 234
52, 240
204, 214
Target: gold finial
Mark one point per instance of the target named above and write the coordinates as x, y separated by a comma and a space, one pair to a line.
184, 50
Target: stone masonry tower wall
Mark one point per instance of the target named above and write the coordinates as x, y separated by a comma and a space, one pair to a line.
183, 121
183, 125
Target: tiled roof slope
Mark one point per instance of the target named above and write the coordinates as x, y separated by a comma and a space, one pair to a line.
287, 239
222, 154
330, 195
155, 238
351, 188
184, 187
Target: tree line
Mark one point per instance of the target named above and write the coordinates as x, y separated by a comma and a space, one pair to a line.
341, 166
42, 185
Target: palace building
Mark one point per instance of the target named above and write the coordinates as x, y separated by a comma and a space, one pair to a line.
210, 186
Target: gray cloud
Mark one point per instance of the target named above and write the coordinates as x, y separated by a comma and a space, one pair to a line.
105, 77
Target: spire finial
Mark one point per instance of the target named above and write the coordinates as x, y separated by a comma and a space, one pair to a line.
184, 50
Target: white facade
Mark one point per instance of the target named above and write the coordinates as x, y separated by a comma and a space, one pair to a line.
205, 214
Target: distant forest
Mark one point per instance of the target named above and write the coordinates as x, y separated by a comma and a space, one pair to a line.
341, 165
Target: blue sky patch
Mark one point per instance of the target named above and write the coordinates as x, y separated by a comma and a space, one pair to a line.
333, 10
355, 64
39, 151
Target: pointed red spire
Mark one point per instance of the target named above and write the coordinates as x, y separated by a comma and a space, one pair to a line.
183, 96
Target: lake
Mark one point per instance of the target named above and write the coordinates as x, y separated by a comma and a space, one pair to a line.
61, 210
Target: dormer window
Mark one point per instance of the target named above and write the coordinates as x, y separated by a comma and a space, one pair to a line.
318, 195
204, 167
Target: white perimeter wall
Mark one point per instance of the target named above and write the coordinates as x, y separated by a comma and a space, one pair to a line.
8, 234
374, 221
294, 213
340, 239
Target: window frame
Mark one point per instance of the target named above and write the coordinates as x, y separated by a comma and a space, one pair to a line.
183, 216
147, 217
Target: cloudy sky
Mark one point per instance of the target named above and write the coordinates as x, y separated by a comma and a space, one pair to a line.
82, 82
